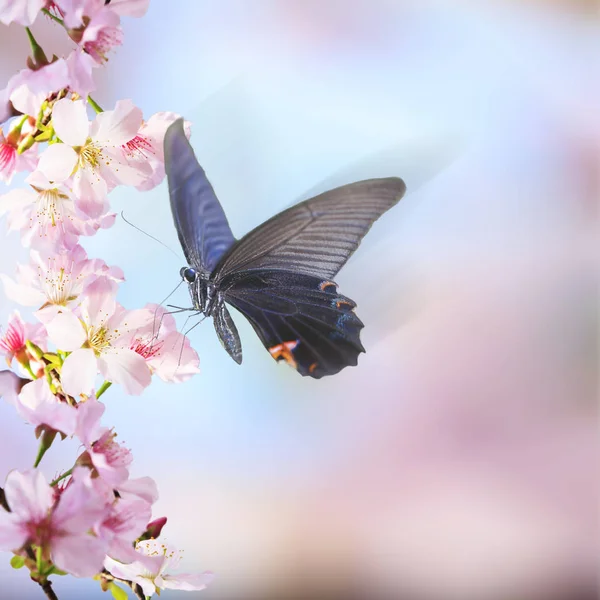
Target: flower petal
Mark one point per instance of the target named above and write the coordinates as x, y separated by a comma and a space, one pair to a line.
80, 65
22, 12
66, 331
70, 121
22, 294
119, 126
57, 162
185, 581
130, 8
39, 406
177, 361
80, 507
80, 555
127, 368
28, 494
88, 421
90, 190
10, 386
99, 303
79, 372
13, 533
143, 487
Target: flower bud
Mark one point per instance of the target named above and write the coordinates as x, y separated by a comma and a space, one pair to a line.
154, 529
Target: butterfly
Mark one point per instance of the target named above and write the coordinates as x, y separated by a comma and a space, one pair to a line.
280, 275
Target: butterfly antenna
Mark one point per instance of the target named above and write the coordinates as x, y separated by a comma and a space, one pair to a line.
150, 236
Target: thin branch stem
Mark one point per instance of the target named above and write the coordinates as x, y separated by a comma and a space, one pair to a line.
47, 587
61, 477
53, 17
103, 388
94, 105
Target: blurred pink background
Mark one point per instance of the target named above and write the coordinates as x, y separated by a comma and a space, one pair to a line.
459, 459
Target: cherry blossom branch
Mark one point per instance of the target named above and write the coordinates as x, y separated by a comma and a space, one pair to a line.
46, 585
73, 164
103, 388
94, 105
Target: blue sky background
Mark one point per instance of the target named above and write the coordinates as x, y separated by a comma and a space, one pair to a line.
280, 483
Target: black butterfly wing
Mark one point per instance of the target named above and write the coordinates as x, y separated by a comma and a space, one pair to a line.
315, 237
201, 224
300, 319
279, 275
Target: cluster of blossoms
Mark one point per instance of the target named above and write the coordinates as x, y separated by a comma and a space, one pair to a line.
93, 519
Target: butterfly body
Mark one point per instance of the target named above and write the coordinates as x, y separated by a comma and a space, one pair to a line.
280, 275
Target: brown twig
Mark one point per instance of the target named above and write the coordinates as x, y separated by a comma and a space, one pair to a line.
47, 587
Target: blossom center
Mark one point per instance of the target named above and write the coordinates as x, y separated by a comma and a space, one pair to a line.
107, 38
115, 454
8, 156
13, 341
89, 156
139, 147
50, 207
146, 349
98, 338
58, 285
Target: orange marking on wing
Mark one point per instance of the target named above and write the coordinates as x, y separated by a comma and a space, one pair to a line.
326, 284
312, 367
340, 303
284, 351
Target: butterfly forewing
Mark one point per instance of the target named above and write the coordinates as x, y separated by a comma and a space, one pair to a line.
201, 224
317, 236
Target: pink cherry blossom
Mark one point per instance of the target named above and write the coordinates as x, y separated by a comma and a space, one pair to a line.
102, 34
147, 147
80, 66
47, 216
92, 150
98, 342
150, 571
167, 352
12, 342
44, 213
10, 161
126, 521
39, 406
109, 459
60, 528
28, 89
22, 12
55, 280
10, 386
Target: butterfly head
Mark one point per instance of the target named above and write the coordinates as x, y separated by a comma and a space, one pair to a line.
202, 291
188, 274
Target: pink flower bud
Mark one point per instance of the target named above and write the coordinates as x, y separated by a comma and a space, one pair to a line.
154, 529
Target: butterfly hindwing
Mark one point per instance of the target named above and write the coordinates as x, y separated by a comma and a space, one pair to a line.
201, 224
300, 319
